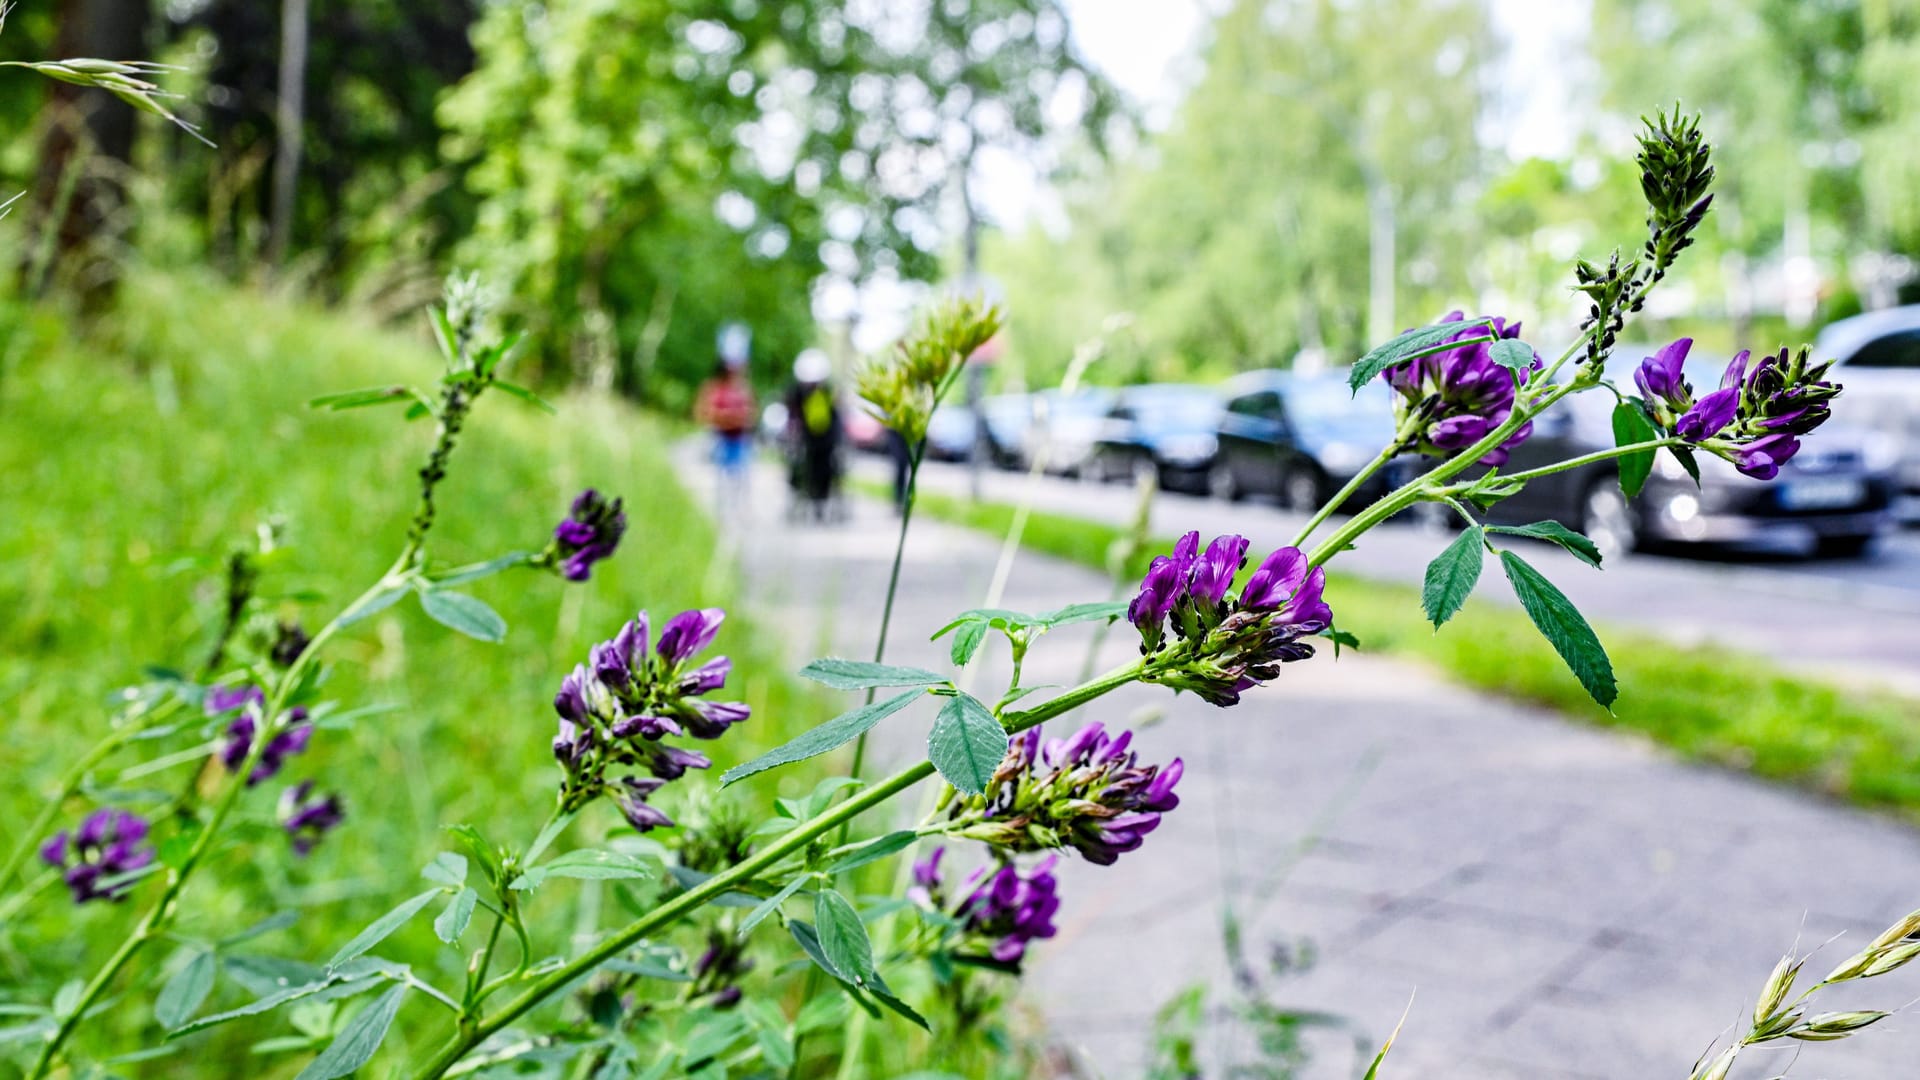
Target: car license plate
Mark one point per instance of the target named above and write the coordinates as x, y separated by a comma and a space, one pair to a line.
1823, 493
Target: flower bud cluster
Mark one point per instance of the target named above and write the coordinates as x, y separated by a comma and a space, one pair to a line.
1005, 909
108, 844
1222, 645
1089, 792
1676, 170
590, 532
903, 388
616, 710
305, 817
249, 701
1756, 416
1450, 400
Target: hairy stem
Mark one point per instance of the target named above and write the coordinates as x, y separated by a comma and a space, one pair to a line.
693, 899
1583, 459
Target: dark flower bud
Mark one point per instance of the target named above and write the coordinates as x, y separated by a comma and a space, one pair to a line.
307, 820
590, 532
289, 641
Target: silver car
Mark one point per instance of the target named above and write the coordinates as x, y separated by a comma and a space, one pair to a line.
1879, 363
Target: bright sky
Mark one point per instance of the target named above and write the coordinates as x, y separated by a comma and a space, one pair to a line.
1149, 48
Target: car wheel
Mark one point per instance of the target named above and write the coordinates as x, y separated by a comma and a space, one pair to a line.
1221, 484
1608, 521
1145, 472
1303, 491
1843, 547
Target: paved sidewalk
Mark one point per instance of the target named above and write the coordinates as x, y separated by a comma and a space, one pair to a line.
1566, 902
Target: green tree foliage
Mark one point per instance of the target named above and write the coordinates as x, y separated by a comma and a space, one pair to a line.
649, 169
1813, 106
1242, 234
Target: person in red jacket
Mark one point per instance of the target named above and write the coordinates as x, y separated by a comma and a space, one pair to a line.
725, 406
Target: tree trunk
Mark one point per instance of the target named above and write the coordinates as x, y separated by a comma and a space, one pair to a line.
79, 191
289, 125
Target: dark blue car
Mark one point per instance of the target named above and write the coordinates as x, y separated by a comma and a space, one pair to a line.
1300, 438
1166, 429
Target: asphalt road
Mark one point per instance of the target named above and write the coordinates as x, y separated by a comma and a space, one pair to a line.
1855, 620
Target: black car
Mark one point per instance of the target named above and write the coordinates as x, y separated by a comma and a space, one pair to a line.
1836, 493
1167, 429
1300, 438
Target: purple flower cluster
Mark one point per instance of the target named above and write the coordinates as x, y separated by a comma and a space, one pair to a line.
108, 845
1457, 397
1756, 416
307, 817
250, 700
590, 532
616, 708
1088, 792
1008, 909
1227, 645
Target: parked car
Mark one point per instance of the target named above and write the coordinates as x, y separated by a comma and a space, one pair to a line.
1065, 427
1300, 438
1010, 422
1837, 492
1170, 429
953, 431
1879, 363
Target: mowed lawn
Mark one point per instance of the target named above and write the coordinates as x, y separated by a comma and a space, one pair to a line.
132, 461
1710, 704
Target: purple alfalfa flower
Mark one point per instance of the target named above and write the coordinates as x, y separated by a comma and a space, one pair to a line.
225, 699
1762, 458
1709, 416
1088, 792
95, 858
1282, 603
1013, 909
926, 887
687, 633
632, 797
1669, 397
619, 707
308, 818
711, 719
1216, 569
590, 532
671, 762
706, 678
1454, 398
1663, 381
291, 739
571, 702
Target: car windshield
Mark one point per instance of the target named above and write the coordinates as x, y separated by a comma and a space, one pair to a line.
1329, 408
1175, 410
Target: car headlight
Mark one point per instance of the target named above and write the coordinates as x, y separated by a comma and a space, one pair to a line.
1189, 448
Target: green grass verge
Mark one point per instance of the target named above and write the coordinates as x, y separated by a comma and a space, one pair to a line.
135, 458
1708, 704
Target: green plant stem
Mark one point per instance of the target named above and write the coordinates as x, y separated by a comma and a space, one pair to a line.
789, 843
893, 588
154, 922
20, 899
1327, 509
1585, 459
1426, 486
